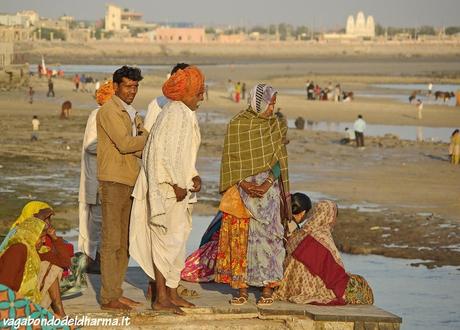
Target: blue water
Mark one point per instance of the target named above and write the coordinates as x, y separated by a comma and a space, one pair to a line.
72, 69
422, 87
404, 132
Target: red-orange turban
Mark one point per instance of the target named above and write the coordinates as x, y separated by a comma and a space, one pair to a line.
186, 82
104, 93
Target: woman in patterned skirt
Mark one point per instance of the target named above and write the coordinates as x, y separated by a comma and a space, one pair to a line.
254, 181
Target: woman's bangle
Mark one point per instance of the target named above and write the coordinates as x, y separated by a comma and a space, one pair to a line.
269, 180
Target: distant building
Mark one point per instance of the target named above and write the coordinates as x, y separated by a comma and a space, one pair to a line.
31, 15
179, 35
362, 27
79, 35
6, 54
117, 18
14, 20
231, 38
13, 34
47, 23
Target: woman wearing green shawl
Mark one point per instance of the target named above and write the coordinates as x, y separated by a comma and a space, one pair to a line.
254, 181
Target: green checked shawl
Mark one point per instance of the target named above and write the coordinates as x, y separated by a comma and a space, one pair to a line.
253, 145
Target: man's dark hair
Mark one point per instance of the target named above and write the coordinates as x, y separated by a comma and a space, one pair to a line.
179, 66
360, 116
129, 72
300, 202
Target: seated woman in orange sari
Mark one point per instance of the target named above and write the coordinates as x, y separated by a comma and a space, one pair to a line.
313, 270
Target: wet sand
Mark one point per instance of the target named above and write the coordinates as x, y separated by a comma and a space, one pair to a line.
407, 193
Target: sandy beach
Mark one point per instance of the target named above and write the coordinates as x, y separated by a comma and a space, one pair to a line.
397, 198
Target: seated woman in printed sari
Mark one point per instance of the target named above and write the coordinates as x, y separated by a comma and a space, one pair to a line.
254, 184
313, 270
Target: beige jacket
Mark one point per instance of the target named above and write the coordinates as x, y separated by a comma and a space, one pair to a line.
117, 149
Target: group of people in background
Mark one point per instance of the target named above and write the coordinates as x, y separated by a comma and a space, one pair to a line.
329, 93
85, 83
236, 91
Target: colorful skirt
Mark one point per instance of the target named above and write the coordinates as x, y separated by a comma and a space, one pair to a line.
231, 265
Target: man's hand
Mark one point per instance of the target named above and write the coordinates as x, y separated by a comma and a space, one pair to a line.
196, 184
180, 193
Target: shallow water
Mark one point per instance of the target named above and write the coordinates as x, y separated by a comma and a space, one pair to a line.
404, 132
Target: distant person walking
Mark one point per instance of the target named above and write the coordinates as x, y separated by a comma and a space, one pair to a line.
359, 126
237, 92
430, 88
65, 110
230, 89
50, 88
35, 128
454, 148
419, 108
31, 94
243, 92
76, 81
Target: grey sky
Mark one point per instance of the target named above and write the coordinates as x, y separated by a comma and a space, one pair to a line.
319, 14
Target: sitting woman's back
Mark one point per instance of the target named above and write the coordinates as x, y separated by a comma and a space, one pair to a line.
314, 271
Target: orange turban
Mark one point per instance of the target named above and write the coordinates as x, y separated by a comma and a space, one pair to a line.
186, 82
104, 93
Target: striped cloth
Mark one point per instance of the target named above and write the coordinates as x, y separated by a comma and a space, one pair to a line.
252, 145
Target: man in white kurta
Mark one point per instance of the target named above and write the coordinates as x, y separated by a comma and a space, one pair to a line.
161, 218
90, 213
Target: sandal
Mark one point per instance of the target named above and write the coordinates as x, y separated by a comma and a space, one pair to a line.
184, 292
265, 301
238, 301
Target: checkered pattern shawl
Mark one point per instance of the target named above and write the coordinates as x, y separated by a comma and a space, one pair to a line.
253, 145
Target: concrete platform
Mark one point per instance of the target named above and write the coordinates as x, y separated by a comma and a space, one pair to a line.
213, 311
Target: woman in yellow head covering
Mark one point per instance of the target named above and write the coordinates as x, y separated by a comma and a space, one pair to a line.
18, 253
19, 273
54, 255
34, 208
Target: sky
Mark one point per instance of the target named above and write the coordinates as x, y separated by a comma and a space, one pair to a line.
321, 15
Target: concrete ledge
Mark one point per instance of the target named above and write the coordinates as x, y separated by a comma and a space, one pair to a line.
214, 311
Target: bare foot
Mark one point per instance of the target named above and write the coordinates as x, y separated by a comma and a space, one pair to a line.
115, 305
166, 306
129, 302
181, 302
178, 300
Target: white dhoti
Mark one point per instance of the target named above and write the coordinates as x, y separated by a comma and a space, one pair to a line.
154, 245
160, 226
168, 246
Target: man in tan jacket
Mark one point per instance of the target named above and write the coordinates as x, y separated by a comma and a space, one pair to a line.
121, 138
